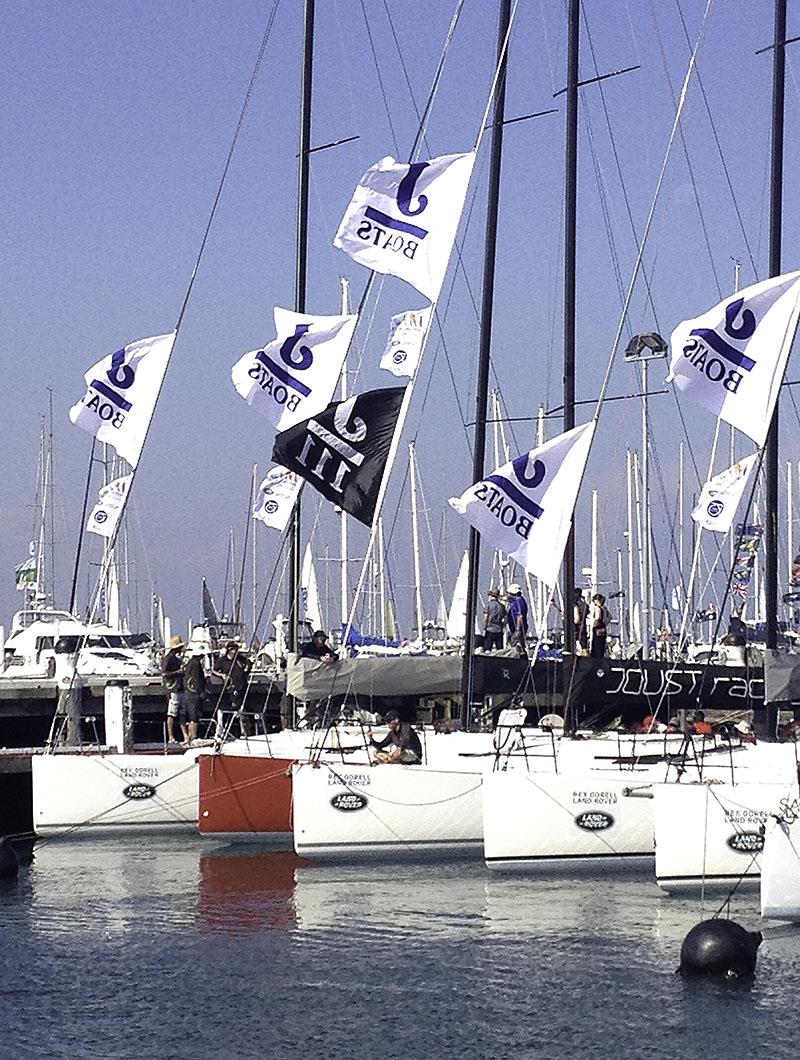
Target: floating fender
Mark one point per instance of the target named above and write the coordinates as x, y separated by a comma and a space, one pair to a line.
719, 948
9, 862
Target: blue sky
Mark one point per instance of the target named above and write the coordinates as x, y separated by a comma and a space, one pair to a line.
117, 121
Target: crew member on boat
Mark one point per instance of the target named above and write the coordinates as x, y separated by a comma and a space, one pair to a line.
195, 682
517, 618
494, 619
172, 671
319, 649
233, 669
406, 748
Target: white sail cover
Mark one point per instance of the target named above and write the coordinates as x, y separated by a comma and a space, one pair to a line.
457, 615
403, 218
276, 497
309, 593
404, 345
731, 359
720, 496
104, 517
525, 507
294, 376
121, 394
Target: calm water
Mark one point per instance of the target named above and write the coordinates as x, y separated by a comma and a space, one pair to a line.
177, 949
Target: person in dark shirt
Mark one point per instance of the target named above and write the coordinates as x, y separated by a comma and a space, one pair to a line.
195, 683
233, 668
517, 618
172, 672
406, 748
494, 618
319, 649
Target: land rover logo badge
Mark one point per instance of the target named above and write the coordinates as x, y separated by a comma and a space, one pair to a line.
139, 791
594, 821
348, 801
746, 842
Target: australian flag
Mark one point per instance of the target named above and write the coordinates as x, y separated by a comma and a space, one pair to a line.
342, 452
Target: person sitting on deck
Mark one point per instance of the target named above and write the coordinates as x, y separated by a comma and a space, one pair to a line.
406, 749
700, 727
319, 649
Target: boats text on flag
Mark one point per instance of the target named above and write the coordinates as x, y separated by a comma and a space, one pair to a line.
404, 345
731, 360
104, 517
721, 495
276, 497
294, 376
121, 393
342, 452
403, 217
524, 508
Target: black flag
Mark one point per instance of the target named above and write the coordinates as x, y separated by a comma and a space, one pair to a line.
209, 609
342, 451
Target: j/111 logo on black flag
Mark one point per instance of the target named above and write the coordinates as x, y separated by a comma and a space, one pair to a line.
342, 452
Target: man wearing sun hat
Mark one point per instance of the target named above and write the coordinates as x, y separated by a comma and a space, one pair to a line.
172, 671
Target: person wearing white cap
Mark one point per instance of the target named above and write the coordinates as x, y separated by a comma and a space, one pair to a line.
517, 618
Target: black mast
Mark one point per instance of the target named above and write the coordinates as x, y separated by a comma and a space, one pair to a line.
482, 390
775, 232
301, 259
570, 222
775, 226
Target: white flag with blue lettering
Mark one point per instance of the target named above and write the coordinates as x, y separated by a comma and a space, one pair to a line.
524, 508
121, 394
294, 376
731, 360
403, 218
276, 497
721, 495
403, 347
105, 515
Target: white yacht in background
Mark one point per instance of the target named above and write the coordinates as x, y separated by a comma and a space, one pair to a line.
41, 637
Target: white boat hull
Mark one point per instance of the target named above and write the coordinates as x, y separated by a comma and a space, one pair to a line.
710, 836
780, 867
385, 811
539, 823
92, 794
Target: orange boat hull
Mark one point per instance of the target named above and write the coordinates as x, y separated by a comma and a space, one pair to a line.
244, 795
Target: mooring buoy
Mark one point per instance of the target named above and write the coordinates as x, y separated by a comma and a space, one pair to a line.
719, 948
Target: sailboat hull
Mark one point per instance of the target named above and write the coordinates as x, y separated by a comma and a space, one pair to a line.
246, 796
390, 811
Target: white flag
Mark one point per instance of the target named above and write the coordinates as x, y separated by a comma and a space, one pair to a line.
720, 496
524, 508
294, 377
404, 345
403, 218
731, 360
276, 497
309, 593
105, 514
121, 395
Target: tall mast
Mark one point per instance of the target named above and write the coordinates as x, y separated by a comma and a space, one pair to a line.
570, 222
345, 577
301, 270
775, 231
482, 387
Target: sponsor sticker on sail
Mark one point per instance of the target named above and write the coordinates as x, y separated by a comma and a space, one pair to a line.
403, 218
731, 360
524, 508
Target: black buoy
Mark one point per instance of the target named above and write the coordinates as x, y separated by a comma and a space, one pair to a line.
719, 948
9, 862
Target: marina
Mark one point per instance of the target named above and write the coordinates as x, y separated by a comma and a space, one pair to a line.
401, 629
